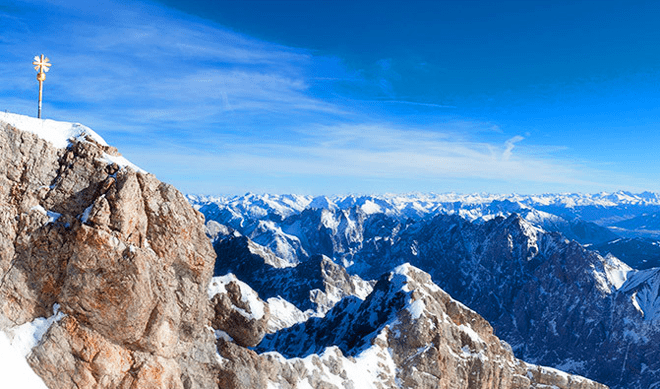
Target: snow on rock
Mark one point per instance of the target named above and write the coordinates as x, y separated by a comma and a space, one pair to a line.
248, 296
61, 134
616, 271
370, 207
52, 216
283, 314
402, 335
643, 287
56, 132
121, 161
15, 344
239, 311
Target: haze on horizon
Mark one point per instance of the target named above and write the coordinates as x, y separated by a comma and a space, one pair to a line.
229, 97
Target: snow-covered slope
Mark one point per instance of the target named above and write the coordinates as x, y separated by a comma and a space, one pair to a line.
15, 344
56, 132
61, 134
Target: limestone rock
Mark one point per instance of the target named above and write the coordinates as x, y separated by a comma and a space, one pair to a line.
123, 254
238, 311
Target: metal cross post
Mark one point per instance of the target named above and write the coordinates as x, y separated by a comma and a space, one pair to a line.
41, 66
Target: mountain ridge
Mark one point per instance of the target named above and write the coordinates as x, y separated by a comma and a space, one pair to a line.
535, 286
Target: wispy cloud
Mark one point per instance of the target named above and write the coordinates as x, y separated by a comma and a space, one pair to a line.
510, 144
190, 100
144, 62
406, 102
390, 154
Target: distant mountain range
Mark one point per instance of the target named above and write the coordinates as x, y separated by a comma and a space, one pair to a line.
543, 270
590, 219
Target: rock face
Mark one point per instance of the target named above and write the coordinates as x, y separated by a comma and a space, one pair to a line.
239, 311
123, 254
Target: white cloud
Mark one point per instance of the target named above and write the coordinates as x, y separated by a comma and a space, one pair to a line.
384, 152
182, 97
510, 144
142, 62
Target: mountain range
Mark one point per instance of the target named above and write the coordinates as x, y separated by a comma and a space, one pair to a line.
541, 269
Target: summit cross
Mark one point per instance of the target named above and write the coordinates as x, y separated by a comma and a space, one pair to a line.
41, 66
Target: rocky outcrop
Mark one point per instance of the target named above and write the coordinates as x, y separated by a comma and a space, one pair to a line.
407, 333
239, 311
123, 254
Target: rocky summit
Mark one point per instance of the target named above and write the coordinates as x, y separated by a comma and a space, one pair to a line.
122, 254
109, 273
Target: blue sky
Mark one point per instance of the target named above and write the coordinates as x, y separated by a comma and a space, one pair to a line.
228, 97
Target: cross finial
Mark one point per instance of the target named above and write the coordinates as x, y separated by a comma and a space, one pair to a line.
41, 63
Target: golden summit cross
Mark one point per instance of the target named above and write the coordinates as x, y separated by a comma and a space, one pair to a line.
41, 66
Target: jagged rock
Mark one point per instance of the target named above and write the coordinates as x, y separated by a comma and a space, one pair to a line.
238, 311
123, 254
406, 333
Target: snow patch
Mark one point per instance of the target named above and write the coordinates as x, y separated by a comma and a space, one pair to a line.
369, 207
52, 216
616, 271
416, 309
283, 314
220, 334
15, 344
86, 213
56, 132
121, 162
471, 333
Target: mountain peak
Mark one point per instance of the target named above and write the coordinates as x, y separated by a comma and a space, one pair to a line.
419, 335
124, 257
